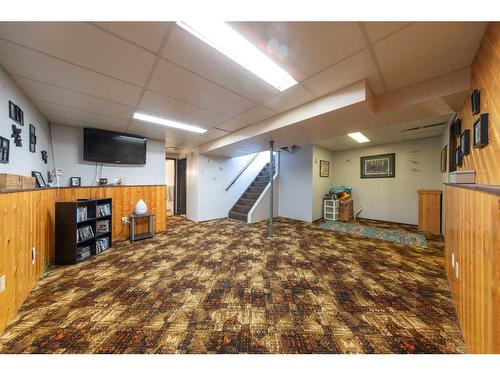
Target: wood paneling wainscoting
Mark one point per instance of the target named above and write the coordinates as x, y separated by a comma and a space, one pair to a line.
27, 221
472, 261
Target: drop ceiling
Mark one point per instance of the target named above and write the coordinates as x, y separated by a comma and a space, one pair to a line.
98, 74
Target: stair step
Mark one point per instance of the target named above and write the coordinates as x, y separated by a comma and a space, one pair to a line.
247, 201
255, 190
250, 196
238, 216
239, 208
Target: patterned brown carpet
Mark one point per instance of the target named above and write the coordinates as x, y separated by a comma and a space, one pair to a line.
220, 287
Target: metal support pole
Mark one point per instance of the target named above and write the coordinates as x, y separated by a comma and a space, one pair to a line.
271, 198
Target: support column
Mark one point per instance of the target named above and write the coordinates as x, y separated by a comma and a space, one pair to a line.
271, 198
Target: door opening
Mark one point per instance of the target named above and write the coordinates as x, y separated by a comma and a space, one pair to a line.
180, 194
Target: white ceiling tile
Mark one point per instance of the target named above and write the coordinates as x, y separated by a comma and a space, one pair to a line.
304, 48
179, 111
85, 45
174, 81
352, 69
146, 34
69, 116
27, 63
68, 98
427, 49
255, 114
197, 56
232, 125
288, 99
379, 30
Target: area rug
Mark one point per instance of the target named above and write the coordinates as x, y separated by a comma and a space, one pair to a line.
392, 235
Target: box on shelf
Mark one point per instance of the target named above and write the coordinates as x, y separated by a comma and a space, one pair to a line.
462, 177
28, 182
10, 181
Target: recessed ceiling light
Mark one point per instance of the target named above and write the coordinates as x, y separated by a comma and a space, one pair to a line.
169, 123
358, 137
226, 40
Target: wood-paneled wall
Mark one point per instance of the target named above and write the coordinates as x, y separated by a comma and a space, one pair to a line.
486, 78
472, 245
27, 220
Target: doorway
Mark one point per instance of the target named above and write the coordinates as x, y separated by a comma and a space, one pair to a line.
180, 191
170, 171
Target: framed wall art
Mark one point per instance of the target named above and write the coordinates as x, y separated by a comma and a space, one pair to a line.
480, 130
324, 168
378, 166
444, 153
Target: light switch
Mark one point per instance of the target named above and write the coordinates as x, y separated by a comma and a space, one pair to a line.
2, 283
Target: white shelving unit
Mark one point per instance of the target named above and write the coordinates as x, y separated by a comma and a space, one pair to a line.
330, 209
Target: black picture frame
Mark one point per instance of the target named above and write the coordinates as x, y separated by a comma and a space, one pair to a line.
12, 110
4, 150
40, 182
75, 181
378, 166
458, 157
465, 142
480, 129
475, 99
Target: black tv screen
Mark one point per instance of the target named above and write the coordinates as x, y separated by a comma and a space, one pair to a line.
113, 147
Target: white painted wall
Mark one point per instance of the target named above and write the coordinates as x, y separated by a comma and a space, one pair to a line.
320, 185
21, 160
68, 151
391, 199
295, 184
208, 178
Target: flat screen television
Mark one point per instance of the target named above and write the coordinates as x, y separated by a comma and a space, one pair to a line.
113, 147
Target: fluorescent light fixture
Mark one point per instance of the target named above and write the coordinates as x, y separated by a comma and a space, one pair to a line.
358, 137
169, 123
226, 40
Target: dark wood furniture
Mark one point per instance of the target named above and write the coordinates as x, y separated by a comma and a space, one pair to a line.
72, 249
151, 226
429, 211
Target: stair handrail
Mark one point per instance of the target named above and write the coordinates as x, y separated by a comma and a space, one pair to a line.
242, 170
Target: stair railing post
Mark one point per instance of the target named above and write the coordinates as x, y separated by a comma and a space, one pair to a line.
271, 198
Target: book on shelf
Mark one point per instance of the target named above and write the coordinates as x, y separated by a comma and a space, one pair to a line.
103, 210
81, 214
101, 244
102, 226
84, 233
83, 252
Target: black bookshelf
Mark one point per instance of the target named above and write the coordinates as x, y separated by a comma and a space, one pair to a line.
81, 230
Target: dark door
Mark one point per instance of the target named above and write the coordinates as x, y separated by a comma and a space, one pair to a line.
180, 207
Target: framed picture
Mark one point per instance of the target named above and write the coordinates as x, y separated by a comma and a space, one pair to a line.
475, 99
457, 127
324, 168
458, 157
444, 153
480, 129
4, 150
12, 110
378, 166
40, 182
75, 181
465, 142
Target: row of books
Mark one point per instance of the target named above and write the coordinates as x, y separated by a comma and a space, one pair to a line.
83, 253
101, 244
102, 226
81, 214
84, 233
103, 210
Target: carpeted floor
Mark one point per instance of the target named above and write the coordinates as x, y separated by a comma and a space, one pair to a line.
220, 287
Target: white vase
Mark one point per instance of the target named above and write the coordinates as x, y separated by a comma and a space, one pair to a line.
141, 207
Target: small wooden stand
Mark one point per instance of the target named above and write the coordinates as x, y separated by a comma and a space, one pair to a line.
151, 227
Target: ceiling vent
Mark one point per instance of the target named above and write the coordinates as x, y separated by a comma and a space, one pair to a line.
424, 128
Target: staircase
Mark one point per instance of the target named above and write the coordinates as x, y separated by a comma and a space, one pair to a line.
247, 200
